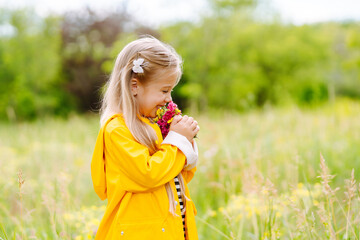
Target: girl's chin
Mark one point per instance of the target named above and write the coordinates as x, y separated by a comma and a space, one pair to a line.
153, 114
150, 115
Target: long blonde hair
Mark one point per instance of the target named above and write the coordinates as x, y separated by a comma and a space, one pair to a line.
118, 98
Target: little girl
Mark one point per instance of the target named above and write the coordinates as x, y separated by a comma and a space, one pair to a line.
143, 176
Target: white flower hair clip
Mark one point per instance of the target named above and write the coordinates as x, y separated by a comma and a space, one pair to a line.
137, 65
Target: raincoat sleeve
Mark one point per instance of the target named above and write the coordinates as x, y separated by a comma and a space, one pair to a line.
188, 174
138, 169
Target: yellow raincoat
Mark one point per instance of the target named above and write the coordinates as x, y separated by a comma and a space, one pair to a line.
134, 181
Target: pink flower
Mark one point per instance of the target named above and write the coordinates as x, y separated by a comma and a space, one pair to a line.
165, 116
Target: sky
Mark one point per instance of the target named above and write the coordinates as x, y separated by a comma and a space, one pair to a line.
310, 11
157, 12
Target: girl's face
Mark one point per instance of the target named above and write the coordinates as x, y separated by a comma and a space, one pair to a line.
154, 94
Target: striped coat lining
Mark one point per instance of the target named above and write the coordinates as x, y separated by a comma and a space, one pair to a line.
177, 185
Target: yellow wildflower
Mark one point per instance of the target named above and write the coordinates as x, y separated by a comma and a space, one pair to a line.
211, 213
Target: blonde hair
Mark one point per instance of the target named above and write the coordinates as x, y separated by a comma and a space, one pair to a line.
118, 98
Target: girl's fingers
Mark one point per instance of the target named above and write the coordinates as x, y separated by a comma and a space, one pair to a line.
196, 130
190, 123
177, 119
194, 125
185, 120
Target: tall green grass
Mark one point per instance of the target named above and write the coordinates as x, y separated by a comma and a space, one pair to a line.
257, 176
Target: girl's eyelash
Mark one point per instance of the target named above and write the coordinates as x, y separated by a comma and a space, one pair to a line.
166, 91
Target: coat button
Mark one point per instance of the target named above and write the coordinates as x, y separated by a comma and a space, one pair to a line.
176, 203
122, 233
163, 229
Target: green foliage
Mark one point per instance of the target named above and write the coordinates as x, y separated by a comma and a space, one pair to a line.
241, 63
350, 60
55, 65
229, 6
31, 83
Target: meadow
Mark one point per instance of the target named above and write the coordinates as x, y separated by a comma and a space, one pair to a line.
279, 173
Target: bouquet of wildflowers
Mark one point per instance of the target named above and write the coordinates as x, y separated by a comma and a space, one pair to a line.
165, 115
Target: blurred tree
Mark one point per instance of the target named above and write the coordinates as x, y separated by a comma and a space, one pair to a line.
30, 66
242, 65
231, 60
87, 37
347, 49
228, 7
88, 40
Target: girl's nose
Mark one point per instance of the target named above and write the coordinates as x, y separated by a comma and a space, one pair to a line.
168, 98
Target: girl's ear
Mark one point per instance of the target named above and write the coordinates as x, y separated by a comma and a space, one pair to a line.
134, 86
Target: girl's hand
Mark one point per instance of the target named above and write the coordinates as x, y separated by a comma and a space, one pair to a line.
185, 126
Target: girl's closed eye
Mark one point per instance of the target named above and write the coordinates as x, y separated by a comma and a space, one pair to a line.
166, 91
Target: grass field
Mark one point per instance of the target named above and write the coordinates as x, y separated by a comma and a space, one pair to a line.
260, 176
